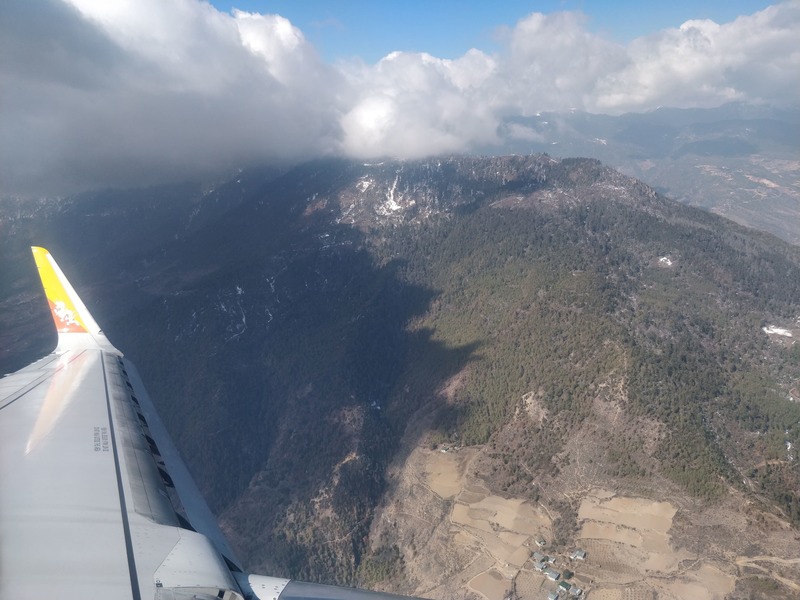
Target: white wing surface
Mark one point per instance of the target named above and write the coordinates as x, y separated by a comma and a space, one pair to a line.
95, 501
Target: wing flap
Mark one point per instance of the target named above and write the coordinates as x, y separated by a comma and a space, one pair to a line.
60, 521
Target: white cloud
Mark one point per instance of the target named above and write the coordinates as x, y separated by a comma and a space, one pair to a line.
414, 105
754, 58
153, 91
552, 62
142, 91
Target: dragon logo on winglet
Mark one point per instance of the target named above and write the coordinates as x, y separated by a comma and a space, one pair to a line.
66, 316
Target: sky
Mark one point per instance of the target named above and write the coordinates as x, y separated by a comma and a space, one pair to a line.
370, 30
98, 93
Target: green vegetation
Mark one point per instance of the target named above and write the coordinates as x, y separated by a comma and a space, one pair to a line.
557, 299
380, 565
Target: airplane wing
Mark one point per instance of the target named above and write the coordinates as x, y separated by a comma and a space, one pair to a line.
95, 501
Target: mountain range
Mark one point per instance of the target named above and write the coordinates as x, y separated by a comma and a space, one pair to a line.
405, 374
737, 160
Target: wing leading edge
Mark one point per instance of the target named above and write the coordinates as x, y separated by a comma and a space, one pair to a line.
95, 500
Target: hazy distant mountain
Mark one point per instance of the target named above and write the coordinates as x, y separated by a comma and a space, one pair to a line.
563, 332
738, 160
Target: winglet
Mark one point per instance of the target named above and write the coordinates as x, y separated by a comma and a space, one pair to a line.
75, 325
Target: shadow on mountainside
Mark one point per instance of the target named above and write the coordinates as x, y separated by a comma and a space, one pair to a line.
280, 346
269, 339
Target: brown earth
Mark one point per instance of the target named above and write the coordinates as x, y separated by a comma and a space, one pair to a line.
460, 539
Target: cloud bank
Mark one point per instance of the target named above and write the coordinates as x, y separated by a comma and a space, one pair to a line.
96, 93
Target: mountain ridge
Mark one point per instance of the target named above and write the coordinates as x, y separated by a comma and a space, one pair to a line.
319, 312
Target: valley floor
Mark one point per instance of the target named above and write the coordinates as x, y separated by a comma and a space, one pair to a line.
466, 542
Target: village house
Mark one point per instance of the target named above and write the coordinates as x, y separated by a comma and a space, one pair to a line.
552, 574
575, 591
578, 555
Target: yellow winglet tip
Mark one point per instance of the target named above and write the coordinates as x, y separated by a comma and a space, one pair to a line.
39, 253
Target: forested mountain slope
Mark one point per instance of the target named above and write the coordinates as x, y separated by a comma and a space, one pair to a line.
303, 331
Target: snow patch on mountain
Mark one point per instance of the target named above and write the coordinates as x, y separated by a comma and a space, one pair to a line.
772, 330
